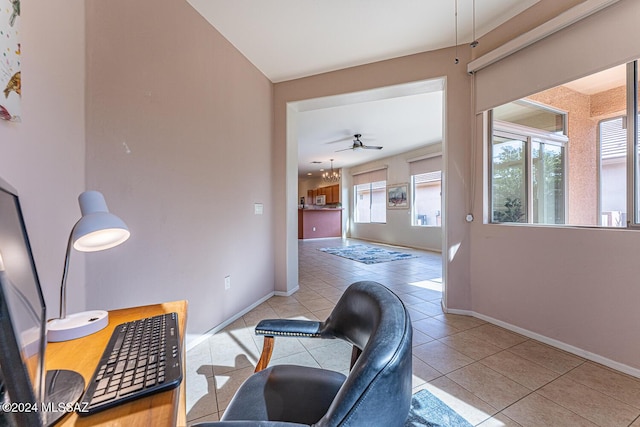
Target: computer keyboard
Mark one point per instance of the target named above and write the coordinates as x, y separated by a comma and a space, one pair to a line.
141, 358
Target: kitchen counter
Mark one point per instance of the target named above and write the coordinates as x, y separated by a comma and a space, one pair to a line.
319, 222
320, 208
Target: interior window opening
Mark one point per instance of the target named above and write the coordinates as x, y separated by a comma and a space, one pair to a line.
561, 156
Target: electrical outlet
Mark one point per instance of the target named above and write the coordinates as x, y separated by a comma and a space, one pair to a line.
227, 283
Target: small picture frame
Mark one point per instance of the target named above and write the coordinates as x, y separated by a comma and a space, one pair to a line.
398, 196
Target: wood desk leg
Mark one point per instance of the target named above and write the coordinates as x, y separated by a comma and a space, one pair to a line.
267, 350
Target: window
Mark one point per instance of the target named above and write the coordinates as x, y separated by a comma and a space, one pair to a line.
508, 179
426, 205
528, 164
370, 190
612, 135
426, 191
562, 156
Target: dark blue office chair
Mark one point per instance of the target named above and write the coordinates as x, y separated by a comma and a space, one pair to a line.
377, 390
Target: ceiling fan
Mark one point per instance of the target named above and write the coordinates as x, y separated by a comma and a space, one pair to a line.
357, 144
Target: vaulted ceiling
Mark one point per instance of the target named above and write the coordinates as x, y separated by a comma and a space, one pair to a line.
288, 39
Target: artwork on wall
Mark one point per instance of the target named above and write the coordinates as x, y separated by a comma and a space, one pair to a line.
10, 77
398, 196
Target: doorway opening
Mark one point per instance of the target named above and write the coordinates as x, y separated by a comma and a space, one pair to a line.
407, 121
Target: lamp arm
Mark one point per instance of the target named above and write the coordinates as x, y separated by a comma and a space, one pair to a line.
63, 284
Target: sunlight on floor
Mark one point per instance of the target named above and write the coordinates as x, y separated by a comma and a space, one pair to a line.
469, 412
434, 285
463, 408
221, 380
490, 376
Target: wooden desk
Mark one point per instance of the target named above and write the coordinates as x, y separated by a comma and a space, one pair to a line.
167, 408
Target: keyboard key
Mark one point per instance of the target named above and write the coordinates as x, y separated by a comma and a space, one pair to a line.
131, 389
102, 384
103, 398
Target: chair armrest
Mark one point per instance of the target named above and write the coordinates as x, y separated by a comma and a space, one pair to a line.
289, 328
271, 328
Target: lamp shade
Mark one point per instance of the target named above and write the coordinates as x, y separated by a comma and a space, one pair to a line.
98, 229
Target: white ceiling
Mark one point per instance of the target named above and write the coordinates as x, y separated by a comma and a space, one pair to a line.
288, 39
398, 118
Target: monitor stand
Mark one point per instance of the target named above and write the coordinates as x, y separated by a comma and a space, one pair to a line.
63, 389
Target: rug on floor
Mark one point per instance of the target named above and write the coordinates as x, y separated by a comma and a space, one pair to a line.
367, 254
427, 410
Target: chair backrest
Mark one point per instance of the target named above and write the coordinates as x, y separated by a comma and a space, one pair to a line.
377, 391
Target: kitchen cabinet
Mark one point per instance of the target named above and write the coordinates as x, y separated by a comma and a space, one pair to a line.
311, 196
335, 193
331, 193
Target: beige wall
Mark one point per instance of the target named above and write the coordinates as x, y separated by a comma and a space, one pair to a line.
179, 128
43, 156
196, 118
573, 287
398, 229
456, 154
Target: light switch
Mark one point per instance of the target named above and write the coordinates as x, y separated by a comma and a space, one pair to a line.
258, 208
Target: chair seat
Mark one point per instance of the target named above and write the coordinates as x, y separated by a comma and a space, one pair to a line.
297, 394
377, 390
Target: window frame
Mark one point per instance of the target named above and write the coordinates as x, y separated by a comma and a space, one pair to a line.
413, 200
528, 135
633, 166
355, 201
632, 86
600, 165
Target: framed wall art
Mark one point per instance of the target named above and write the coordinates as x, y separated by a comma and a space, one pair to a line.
10, 75
398, 196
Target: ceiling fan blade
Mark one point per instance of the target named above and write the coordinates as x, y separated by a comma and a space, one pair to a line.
371, 147
344, 149
346, 138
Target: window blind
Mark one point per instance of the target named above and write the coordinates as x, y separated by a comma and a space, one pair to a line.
421, 166
370, 176
597, 42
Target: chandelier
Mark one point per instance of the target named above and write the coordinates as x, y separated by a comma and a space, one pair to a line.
332, 176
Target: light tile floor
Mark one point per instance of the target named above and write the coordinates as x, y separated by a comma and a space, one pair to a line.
489, 375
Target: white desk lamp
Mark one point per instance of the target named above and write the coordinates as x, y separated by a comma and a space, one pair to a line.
96, 230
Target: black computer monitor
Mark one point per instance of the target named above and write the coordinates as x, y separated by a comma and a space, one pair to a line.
22, 315
28, 391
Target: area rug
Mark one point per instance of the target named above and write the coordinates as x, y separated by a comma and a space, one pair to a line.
428, 410
367, 254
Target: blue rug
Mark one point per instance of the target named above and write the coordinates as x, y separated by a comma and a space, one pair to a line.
428, 410
367, 254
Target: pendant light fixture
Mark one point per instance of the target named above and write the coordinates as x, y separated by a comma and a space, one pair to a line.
332, 176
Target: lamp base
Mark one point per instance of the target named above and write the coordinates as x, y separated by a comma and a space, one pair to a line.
76, 325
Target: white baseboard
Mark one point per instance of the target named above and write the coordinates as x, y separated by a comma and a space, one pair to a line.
191, 343
288, 293
635, 372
